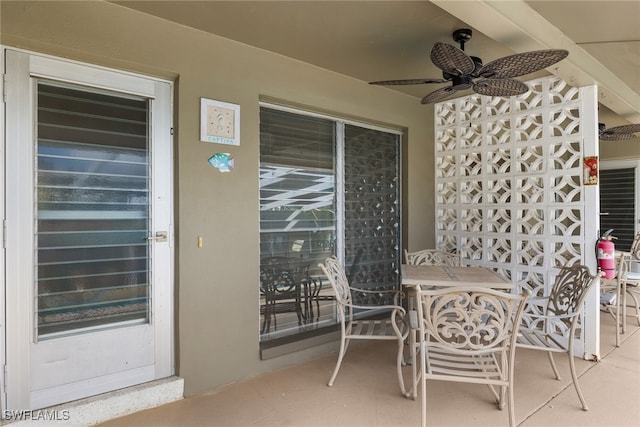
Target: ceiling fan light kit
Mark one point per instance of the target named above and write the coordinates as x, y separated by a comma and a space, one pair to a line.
496, 77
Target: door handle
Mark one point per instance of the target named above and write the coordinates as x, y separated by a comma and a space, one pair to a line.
161, 236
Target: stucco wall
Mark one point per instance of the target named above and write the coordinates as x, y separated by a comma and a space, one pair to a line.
616, 150
216, 285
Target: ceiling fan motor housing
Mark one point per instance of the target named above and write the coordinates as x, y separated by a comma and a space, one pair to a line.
478, 64
461, 82
462, 36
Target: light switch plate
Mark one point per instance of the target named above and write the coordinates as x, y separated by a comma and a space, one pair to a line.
219, 122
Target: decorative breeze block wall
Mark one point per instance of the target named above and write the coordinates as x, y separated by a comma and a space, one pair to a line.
508, 181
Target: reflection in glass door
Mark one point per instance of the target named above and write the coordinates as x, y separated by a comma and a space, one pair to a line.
92, 194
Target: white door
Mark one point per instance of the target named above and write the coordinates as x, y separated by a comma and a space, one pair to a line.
88, 188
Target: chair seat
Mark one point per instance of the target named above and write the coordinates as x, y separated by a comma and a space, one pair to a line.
631, 275
608, 298
377, 329
446, 365
284, 307
536, 339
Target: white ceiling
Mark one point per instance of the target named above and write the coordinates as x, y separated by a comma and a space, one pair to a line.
381, 40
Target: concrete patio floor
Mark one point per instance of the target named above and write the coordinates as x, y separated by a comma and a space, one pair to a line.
366, 393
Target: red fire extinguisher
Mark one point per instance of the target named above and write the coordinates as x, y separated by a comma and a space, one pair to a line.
605, 250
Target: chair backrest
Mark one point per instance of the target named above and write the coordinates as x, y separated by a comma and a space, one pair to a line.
431, 257
298, 267
338, 279
570, 288
622, 259
635, 247
276, 281
624, 272
471, 319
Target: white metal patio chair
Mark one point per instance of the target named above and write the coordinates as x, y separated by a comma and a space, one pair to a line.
364, 322
469, 335
551, 323
628, 286
431, 257
631, 281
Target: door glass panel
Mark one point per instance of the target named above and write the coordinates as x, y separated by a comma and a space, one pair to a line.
372, 214
92, 210
297, 221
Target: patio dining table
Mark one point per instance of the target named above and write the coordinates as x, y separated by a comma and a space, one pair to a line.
415, 277
444, 275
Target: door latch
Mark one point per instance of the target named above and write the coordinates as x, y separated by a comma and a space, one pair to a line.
161, 236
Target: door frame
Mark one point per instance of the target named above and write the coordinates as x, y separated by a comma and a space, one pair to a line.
15, 380
3, 388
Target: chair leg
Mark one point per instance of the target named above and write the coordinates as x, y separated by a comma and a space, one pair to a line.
510, 405
399, 364
617, 317
344, 343
423, 386
266, 320
574, 376
553, 365
623, 303
499, 395
416, 370
636, 304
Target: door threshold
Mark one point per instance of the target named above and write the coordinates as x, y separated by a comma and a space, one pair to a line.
103, 407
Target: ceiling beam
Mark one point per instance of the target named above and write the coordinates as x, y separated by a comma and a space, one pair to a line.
519, 27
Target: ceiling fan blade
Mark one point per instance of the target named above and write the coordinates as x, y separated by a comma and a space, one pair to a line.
500, 87
407, 82
625, 129
617, 136
522, 63
451, 60
438, 94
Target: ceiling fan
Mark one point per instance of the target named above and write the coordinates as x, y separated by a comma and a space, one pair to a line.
495, 78
618, 133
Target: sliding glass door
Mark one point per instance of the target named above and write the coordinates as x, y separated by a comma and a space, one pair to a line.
327, 187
